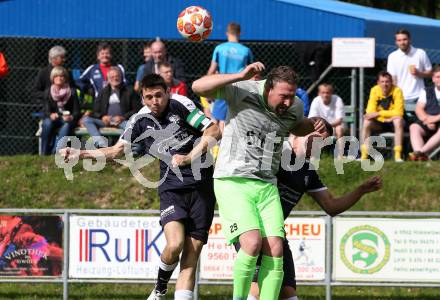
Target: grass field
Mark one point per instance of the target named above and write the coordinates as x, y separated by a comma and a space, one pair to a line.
36, 182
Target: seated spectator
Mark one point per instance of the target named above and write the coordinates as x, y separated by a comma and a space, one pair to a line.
302, 94
4, 69
57, 57
331, 108
61, 110
95, 76
160, 55
384, 113
175, 86
427, 128
140, 71
115, 104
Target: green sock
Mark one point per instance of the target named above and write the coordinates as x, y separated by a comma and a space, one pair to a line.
270, 277
244, 269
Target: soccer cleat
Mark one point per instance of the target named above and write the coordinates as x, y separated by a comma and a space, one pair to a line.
398, 160
417, 156
156, 295
423, 157
413, 156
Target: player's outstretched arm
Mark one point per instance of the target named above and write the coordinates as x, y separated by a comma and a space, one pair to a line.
334, 206
210, 137
208, 85
109, 152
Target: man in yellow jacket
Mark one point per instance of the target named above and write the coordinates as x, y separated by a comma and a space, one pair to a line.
384, 113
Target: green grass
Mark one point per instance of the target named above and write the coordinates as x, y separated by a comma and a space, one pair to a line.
207, 292
36, 182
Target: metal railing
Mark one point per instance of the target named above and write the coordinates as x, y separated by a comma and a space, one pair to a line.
328, 282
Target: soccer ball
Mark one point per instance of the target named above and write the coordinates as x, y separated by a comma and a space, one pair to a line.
194, 23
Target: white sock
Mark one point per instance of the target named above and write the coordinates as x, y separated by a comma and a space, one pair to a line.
292, 298
183, 295
250, 297
166, 267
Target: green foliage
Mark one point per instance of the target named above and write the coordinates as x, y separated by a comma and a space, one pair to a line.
425, 8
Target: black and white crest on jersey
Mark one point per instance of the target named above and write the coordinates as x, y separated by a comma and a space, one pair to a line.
174, 118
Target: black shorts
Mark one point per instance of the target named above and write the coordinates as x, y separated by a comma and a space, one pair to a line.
428, 132
194, 207
384, 127
288, 265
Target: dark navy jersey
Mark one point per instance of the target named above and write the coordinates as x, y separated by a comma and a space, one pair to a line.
176, 131
293, 184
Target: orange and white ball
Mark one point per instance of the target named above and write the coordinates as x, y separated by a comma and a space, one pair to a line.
195, 23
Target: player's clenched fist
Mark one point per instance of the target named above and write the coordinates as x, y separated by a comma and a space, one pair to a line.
252, 69
69, 154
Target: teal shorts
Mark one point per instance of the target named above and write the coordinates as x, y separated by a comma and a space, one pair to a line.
248, 204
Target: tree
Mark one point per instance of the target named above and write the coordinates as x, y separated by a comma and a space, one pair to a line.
425, 8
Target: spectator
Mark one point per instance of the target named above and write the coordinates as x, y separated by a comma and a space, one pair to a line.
408, 66
175, 86
57, 57
61, 110
140, 72
428, 125
331, 108
3, 66
115, 104
384, 113
95, 76
302, 94
228, 58
159, 53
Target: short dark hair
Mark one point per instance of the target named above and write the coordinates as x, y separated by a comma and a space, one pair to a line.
384, 74
328, 127
164, 64
234, 28
152, 80
103, 46
148, 44
436, 69
326, 85
280, 74
403, 31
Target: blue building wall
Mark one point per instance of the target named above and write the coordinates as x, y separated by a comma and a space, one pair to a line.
261, 20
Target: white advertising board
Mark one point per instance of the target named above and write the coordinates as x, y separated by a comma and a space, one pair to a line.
353, 52
115, 247
306, 238
386, 249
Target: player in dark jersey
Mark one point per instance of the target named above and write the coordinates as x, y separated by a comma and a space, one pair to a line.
292, 185
170, 129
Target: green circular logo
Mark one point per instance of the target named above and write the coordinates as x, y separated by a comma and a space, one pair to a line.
365, 249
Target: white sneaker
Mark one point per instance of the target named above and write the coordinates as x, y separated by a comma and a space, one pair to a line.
156, 295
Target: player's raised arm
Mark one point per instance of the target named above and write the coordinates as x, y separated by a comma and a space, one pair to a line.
208, 85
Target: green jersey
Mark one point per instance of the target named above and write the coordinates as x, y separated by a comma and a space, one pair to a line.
252, 139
